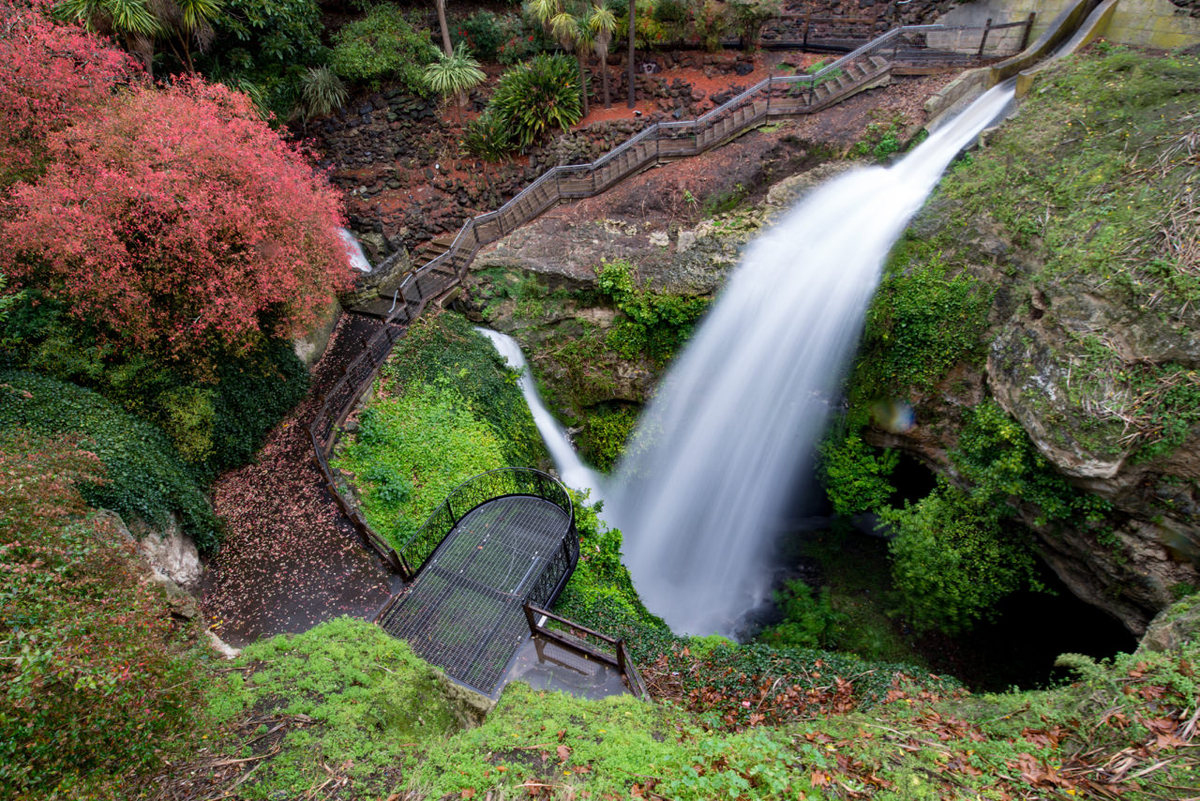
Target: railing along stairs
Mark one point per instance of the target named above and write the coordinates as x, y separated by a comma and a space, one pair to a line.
774, 97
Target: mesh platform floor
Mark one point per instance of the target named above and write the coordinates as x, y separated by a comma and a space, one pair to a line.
464, 612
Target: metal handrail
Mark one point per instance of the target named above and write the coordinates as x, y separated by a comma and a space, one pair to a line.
475, 492
655, 131
419, 286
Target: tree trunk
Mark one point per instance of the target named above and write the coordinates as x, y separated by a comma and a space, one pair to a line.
441, 12
632, 88
582, 83
604, 78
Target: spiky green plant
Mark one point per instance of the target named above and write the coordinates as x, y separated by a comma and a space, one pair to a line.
489, 137
538, 95
322, 92
454, 75
126, 18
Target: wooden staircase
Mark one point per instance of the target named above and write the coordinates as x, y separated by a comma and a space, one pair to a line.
431, 250
855, 77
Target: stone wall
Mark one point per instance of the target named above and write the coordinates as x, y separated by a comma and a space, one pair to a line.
1164, 24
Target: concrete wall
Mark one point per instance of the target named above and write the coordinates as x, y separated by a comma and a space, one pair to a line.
1147, 23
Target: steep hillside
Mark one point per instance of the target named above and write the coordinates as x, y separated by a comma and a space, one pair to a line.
1034, 339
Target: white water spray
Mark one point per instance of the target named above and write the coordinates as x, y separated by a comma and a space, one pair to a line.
709, 474
571, 469
354, 251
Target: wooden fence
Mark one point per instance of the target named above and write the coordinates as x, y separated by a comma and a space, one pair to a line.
574, 638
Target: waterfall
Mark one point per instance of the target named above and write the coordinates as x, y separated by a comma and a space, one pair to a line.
354, 251
702, 489
571, 469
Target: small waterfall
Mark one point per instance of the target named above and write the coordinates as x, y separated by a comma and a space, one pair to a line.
354, 252
703, 486
571, 469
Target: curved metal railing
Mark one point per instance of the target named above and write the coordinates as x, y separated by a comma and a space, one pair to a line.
777, 96
478, 490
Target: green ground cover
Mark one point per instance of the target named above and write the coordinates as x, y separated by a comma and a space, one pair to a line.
446, 408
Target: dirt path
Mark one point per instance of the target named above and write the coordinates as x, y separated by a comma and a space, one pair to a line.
289, 559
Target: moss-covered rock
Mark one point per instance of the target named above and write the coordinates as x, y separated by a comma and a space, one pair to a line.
1076, 222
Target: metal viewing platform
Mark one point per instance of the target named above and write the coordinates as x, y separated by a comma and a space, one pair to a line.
500, 540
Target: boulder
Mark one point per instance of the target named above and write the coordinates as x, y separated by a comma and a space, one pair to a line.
1173, 627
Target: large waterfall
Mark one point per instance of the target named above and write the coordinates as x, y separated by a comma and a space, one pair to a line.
702, 490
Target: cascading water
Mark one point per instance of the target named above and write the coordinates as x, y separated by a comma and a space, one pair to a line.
702, 489
354, 251
571, 469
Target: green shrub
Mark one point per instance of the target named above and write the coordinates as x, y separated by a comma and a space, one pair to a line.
1006, 469
880, 140
855, 475
251, 396
267, 44
652, 324
97, 679
537, 96
383, 46
922, 322
952, 561
605, 434
216, 421
488, 137
145, 479
808, 618
485, 32
749, 17
710, 21
189, 416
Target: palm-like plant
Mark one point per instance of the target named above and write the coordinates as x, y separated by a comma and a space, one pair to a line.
456, 75
322, 92
140, 22
567, 30
601, 22
193, 19
130, 20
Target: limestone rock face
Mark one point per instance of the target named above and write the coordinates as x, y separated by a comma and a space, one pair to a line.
1174, 626
1082, 413
171, 554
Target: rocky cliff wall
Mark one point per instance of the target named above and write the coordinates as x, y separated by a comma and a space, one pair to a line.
1079, 221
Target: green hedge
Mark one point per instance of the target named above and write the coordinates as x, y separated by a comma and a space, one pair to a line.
145, 478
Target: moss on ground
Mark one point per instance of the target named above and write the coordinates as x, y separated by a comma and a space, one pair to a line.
361, 715
446, 408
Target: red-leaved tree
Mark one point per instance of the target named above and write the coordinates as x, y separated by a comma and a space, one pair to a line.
51, 75
180, 224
